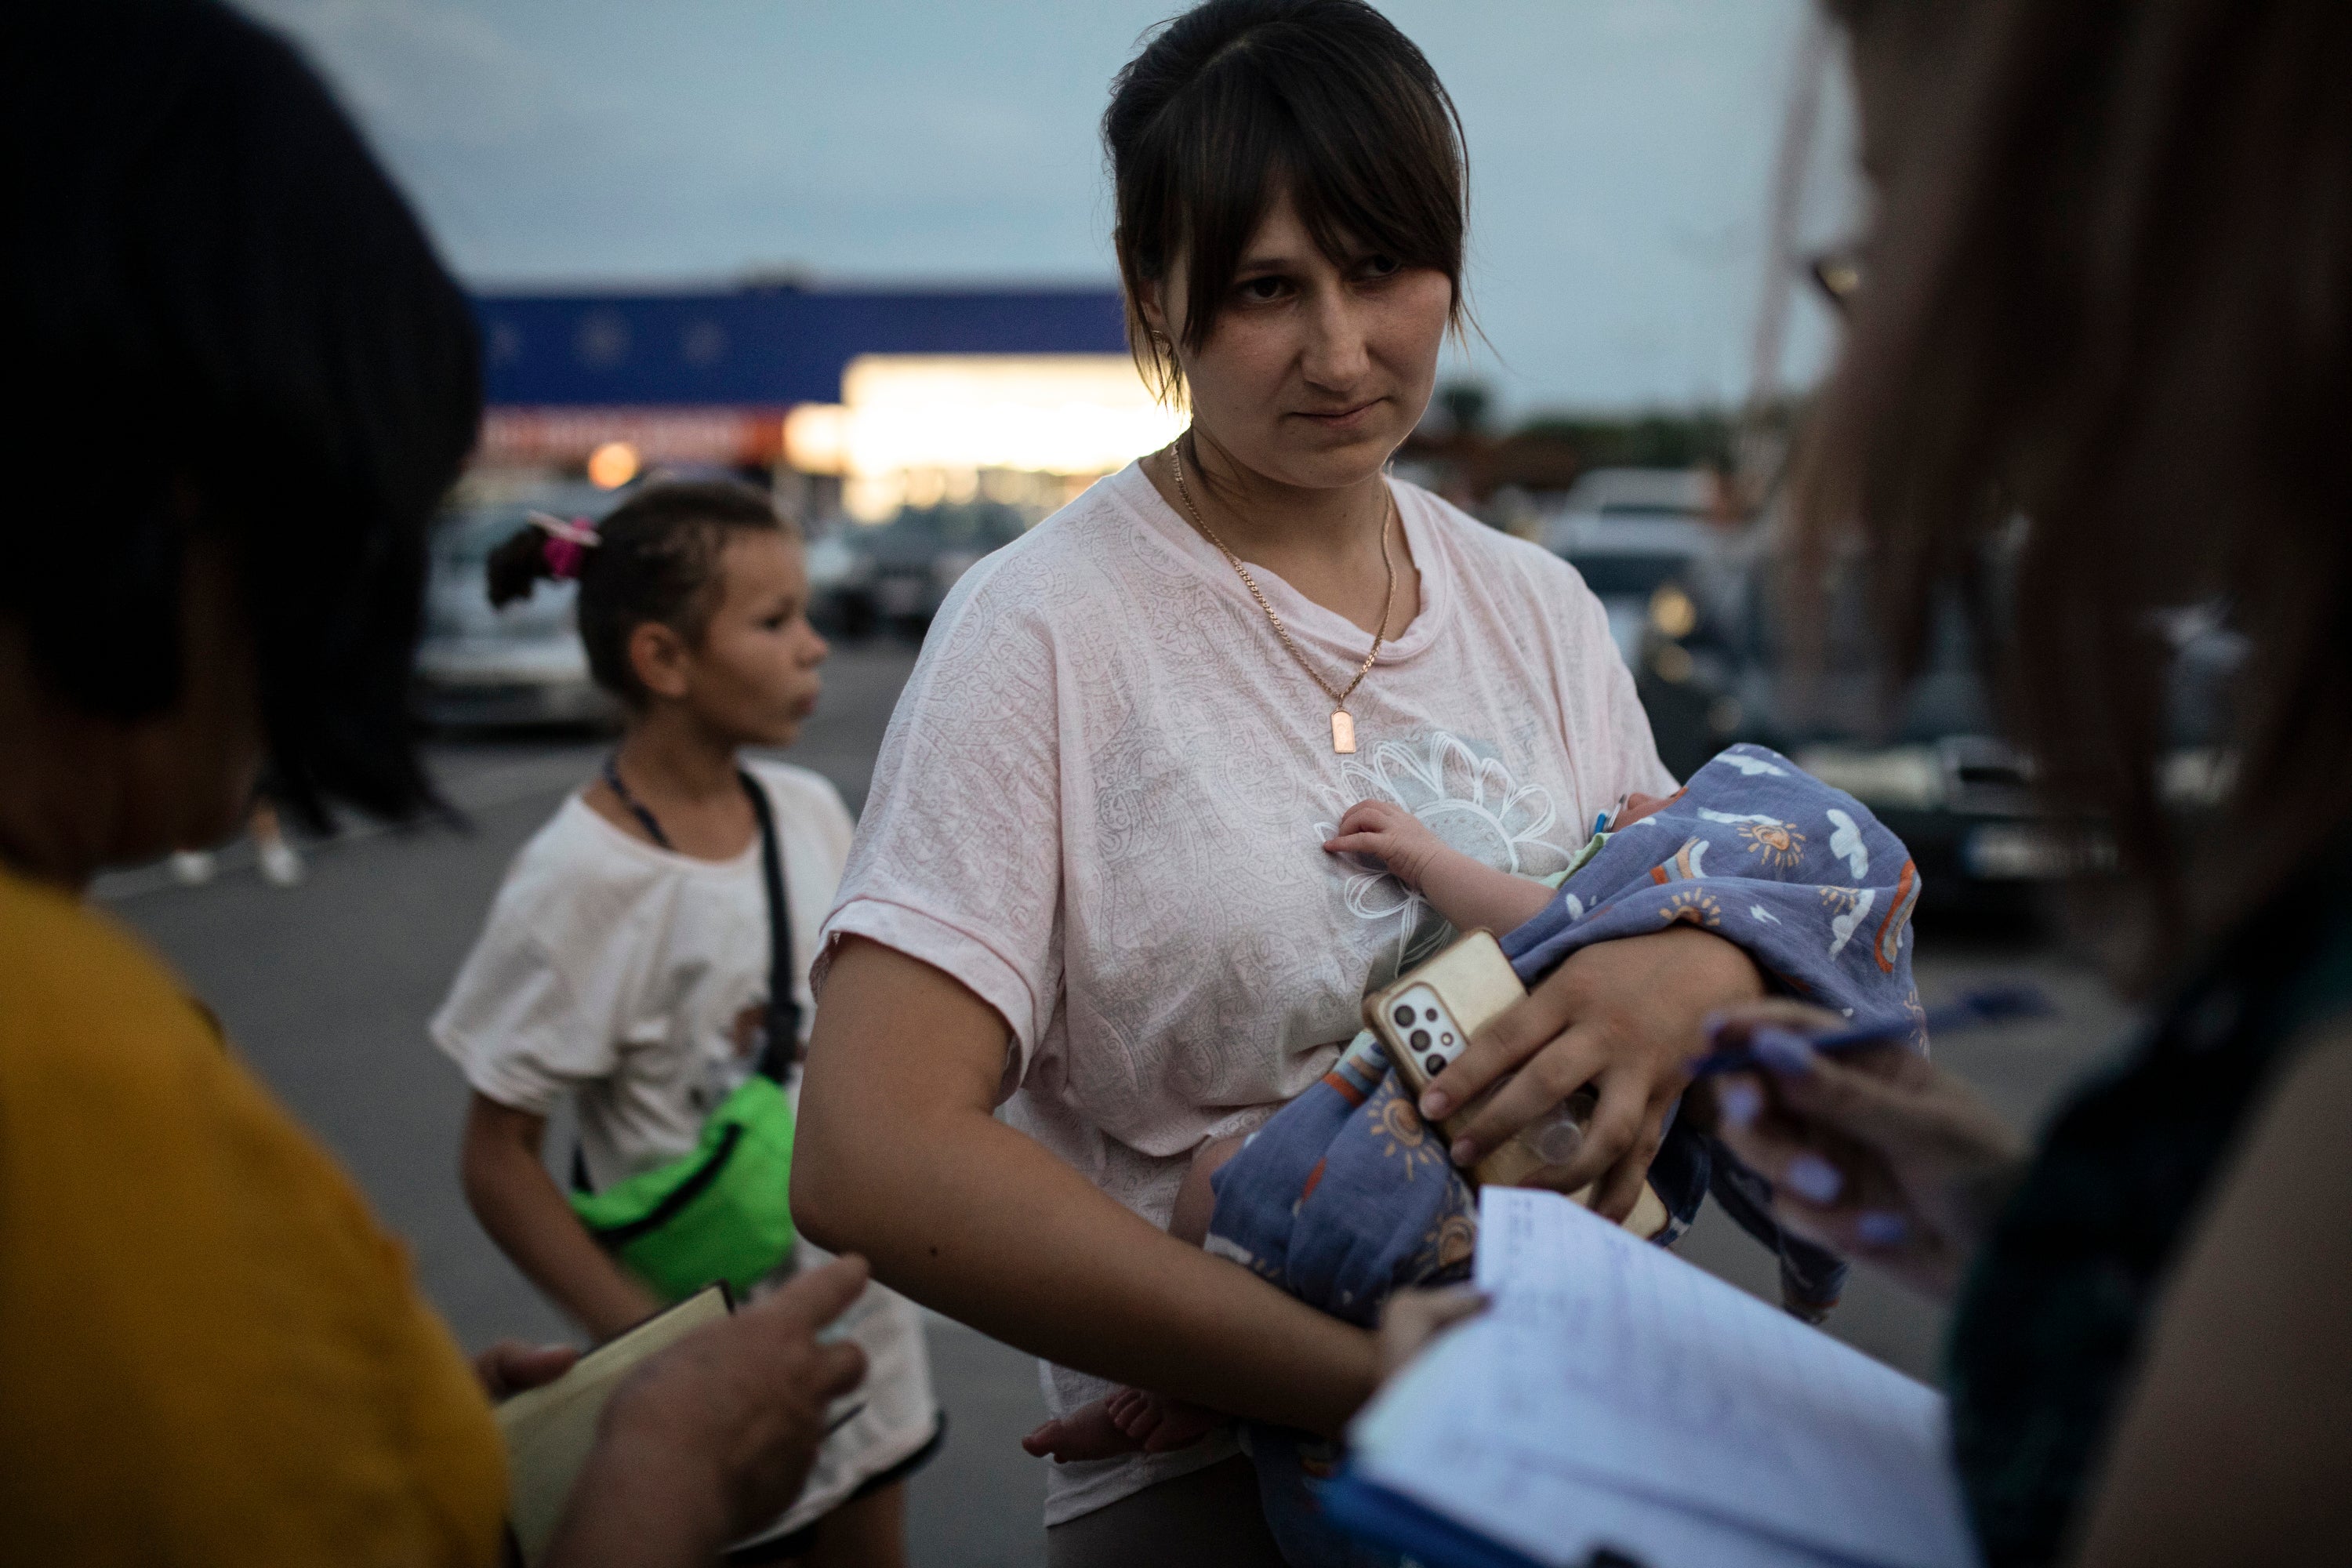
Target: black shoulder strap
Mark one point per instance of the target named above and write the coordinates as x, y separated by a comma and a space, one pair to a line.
783, 1008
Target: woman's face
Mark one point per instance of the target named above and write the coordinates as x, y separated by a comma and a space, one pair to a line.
1316, 370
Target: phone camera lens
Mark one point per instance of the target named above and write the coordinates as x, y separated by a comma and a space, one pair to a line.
1436, 1066
1446, 1039
1433, 1015
1404, 1016
1421, 1040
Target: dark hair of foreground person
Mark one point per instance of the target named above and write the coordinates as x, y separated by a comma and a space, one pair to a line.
2103, 345
222, 319
245, 382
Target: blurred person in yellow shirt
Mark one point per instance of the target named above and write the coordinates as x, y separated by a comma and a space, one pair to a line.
251, 380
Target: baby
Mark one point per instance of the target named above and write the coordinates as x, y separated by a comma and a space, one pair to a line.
1469, 895
1800, 875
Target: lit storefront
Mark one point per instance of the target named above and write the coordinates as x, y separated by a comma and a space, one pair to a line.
862, 400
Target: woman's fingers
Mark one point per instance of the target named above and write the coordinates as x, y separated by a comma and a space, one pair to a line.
1559, 1069
1736, 1027
811, 1301
1893, 1100
1784, 1151
1523, 1029
511, 1366
1620, 1184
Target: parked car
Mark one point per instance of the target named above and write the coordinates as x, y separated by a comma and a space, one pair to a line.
521, 665
862, 578
1639, 569
1629, 495
1726, 665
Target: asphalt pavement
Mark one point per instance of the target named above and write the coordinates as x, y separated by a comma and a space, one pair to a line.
326, 988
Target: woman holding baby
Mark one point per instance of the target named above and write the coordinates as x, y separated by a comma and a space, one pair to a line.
1089, 890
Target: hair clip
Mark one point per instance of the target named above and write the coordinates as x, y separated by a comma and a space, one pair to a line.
565, 543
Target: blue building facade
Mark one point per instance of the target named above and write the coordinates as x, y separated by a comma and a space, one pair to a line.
761, 348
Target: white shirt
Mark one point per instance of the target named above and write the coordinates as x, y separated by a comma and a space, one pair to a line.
616, 972
1101, 803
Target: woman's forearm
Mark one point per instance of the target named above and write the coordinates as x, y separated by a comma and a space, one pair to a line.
899, 1158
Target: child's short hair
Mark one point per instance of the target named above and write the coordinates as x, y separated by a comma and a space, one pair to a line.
656, 558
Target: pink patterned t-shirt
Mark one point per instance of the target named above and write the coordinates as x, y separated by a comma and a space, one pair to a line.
1102, 800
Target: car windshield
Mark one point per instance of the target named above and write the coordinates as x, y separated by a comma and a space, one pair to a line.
1637, 575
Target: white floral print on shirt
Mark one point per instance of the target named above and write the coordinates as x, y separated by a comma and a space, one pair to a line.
1470, 801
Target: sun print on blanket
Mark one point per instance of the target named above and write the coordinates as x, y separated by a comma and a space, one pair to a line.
1692, 907
1408, 1139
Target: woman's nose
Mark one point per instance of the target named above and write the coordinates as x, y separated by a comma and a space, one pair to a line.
1336, 355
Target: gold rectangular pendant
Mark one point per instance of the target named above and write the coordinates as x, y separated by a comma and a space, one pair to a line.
1343, 732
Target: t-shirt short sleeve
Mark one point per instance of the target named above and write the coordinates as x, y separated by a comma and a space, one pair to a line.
545, 1002
957, 859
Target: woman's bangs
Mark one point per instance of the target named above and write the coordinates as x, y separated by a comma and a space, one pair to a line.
1384, 184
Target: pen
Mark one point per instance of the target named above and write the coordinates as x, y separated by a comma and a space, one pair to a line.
1971, 1010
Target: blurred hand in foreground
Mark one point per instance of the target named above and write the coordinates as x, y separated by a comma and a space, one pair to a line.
1874, 1153
1413, 1318
511, 1366
713, 1437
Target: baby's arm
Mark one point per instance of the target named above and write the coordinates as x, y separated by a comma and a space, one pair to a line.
1467, 894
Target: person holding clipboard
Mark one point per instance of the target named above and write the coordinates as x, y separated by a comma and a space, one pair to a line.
211, 1352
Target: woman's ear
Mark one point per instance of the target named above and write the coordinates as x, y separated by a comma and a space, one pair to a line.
1149, 302
659, 658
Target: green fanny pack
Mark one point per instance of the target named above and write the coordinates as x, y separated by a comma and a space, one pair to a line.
723, 1212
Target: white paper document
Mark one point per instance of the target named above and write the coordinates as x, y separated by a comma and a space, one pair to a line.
1615, 1396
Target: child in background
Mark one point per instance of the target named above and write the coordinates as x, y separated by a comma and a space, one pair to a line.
625, 962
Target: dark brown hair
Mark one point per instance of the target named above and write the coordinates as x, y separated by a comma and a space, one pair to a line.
2112, 292
198, 227
1237, 101
656, 559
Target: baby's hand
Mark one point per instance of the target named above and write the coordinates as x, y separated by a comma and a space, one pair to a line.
1391, 834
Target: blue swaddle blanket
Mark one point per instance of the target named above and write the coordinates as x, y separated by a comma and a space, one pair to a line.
1345, 1194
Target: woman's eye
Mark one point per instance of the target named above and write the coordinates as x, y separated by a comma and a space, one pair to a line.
1260, 289
1383, 267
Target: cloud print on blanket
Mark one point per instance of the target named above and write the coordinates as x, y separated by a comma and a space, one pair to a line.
1756, 849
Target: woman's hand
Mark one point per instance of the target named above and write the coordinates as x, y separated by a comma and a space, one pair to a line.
511, 1366
713, 1437
1874, 1153
1625, 1017
1385, 831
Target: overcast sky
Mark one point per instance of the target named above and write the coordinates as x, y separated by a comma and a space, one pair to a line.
1621, 153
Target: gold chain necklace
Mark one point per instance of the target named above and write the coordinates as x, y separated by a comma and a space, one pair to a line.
1343, 723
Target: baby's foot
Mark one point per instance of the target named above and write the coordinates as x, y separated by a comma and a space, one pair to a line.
1088, 1432
1157, 1423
